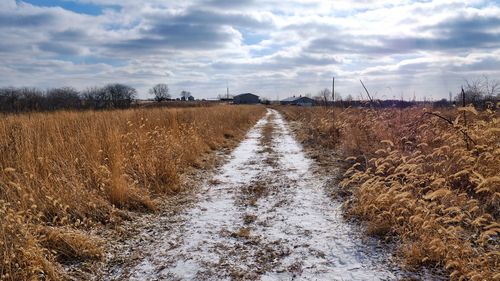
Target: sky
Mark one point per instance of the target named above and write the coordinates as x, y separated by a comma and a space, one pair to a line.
273, 48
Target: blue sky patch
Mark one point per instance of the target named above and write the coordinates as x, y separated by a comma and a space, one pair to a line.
74, 6
250, 38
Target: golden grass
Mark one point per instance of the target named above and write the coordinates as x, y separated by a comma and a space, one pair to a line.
63, 173
411, 176
267, 133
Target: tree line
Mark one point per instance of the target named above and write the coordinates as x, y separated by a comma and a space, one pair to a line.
113, 95
34, 99
480, 92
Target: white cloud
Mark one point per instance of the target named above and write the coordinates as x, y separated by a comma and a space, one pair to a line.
268, 46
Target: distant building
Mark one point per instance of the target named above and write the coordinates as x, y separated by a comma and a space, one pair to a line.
301, 101
226, 99
246, 98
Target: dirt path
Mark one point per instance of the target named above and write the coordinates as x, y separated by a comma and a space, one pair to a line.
264, 216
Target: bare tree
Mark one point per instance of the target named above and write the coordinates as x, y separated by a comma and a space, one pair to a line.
160, 92
338, 96
9, 99
65, 97
32, 98
491, 87
109, 96
95, 97
480, 92
120, 95
185, 95
473, 92
325, 95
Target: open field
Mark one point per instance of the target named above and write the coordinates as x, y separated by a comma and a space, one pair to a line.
136, 194
263, 215
412, 177
63, 174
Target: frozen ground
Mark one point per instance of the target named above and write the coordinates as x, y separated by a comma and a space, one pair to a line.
264, 216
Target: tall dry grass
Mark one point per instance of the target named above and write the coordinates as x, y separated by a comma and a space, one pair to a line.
411, 176
63, 173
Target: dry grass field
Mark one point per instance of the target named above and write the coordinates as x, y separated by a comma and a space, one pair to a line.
64, 173
414, 177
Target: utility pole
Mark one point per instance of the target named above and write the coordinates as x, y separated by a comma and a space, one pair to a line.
333, 90
333, 99
465, 118
227, 90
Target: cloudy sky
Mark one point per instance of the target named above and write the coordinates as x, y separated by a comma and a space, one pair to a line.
270, 47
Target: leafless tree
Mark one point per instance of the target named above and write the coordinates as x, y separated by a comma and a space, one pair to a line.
95, 97
109, 96
160, 92
491, 87
338, 96
325, 95
8, 99
32, 98
185, 95
480, 92
120, 95
65, 97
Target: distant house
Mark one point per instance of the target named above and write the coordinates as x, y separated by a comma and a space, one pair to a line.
246, 98
301, 101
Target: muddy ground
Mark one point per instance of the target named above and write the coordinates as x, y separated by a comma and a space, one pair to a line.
265, 214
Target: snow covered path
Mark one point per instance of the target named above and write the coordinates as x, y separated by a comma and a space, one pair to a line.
264, 216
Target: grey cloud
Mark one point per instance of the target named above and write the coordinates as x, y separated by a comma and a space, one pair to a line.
483, 64
466, 24
307, 60
6, 46
216, 18
452, 34
230, 3
277, 63
460, 40
37, 66
346, 44
406, 70
69, 35
457, 33
195, 29
173, 36
60, 48
29, 30
19, 20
